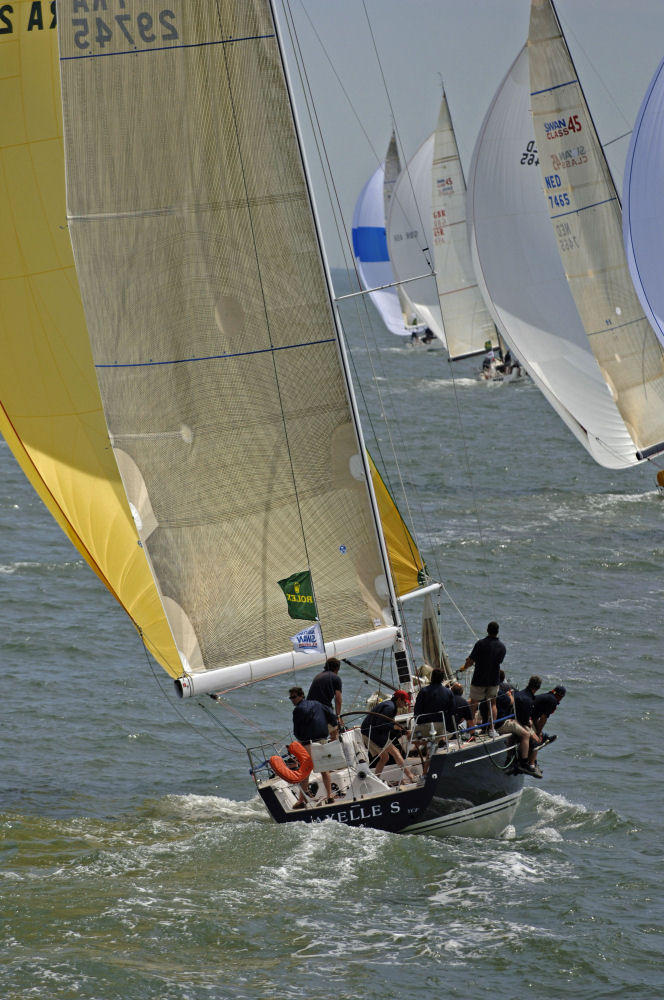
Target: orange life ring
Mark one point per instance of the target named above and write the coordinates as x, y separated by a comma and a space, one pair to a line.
302, 756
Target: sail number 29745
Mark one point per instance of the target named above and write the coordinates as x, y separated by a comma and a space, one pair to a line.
123, 28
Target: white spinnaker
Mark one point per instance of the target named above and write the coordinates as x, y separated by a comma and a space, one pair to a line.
371, 257
519, 270
468, 325
409, 235
217, 354
585, 215
643, 203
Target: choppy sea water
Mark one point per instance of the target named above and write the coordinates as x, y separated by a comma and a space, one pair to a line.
136, 861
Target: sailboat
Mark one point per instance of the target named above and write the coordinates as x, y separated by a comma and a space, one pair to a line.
585, 216
372, 260
427, 223
229, 490
527, 289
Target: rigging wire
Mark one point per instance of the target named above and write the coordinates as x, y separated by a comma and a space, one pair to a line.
187, 719
362, 310
425, 250
174, 708
568, 31
318, 137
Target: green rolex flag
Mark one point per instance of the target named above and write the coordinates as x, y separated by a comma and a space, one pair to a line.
299, 593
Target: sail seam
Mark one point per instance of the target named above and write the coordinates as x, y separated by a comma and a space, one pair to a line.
548, 90
216, 357
167, 48
584, 208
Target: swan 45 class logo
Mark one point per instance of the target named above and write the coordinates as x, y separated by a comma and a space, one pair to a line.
299, 593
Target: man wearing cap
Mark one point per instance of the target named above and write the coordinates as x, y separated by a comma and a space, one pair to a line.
486, 656
378, 728
544, 706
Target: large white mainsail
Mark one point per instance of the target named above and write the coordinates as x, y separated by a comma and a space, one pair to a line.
220, 367
585, 215
643, 204
468, 325
525, 285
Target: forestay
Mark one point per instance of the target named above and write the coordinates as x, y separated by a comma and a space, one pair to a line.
518, 266
213, 336
643, 205
585, 215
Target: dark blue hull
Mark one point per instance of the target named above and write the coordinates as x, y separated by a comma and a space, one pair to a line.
471, 791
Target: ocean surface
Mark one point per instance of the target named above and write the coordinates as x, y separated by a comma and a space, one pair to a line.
137, 862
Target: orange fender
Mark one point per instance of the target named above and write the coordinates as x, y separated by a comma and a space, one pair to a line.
302, 756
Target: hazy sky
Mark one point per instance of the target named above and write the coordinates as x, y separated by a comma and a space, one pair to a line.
371, 59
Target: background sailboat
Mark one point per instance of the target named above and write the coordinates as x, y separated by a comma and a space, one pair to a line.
372, 259
526, 288
585, 215
466, 320
427, 228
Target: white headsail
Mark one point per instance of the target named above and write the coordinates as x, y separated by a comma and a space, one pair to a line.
518, 266
391, 176
643, 204
468, 325
585, 215
409, 237
221, 372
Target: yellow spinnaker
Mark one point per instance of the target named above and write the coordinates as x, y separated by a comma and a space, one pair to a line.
405, 559
50, 410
